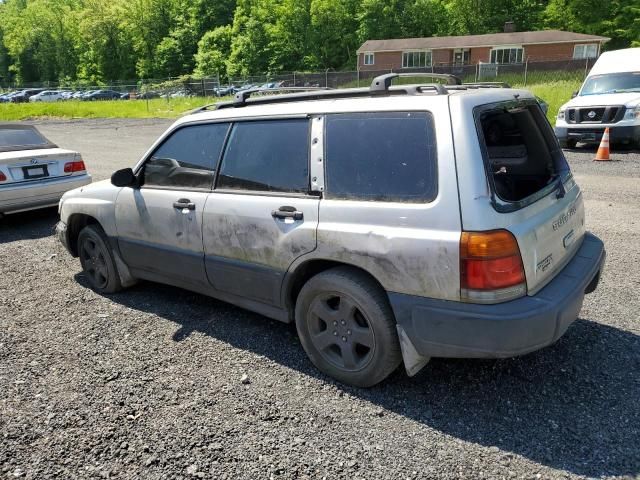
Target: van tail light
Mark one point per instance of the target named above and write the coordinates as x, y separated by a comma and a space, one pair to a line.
3, 177
73, 167
491, 269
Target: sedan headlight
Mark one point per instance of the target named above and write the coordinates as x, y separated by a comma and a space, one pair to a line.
632, 113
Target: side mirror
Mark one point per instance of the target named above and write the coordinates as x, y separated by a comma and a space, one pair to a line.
574, 94
124, 178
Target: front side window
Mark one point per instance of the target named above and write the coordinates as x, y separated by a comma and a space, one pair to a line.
369, 58
267, 156
507, 55
585, 51
187, 159
386, 156
416, 59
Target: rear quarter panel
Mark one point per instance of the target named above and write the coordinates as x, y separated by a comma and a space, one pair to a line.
410, 248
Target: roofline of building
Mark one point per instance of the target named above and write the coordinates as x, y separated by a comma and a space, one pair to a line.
596, 38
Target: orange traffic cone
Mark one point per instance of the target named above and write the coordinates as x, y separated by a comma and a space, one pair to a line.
603, 150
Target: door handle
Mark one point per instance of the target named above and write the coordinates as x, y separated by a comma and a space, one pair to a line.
184, 203
287, 212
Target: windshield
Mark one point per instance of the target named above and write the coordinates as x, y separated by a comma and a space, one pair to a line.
612, 83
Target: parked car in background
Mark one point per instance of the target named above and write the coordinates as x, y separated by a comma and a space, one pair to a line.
337, 210
6, 97
34, 172
148, 95
47, 96
608, 98
102, 95
24, 95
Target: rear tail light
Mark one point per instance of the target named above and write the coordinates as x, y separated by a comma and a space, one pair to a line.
3, 177
72, 167
491, 269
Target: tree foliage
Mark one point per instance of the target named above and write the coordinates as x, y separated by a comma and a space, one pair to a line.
101, 40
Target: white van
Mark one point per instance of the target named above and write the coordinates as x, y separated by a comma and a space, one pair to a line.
609, 97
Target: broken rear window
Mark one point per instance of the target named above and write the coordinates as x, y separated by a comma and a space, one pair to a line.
523, 158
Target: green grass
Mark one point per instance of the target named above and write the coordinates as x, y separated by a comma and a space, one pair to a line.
155, 108
555, 93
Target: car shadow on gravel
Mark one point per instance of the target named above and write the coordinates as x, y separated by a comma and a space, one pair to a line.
572, 406
28, 225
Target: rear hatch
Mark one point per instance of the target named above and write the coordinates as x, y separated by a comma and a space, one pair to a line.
533, 190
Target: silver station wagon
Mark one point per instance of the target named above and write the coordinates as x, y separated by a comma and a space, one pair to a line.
392, 224
34, 173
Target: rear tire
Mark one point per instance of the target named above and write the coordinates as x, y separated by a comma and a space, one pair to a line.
347, 328
97, 260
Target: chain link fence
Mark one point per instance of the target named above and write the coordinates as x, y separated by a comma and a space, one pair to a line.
518, 75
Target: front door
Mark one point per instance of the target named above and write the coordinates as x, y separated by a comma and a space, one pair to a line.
159, 224
261, 215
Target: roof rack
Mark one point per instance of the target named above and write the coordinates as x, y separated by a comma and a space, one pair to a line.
380, 85
487, 85
241, 96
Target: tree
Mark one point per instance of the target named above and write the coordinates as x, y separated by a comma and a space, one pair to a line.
213, 50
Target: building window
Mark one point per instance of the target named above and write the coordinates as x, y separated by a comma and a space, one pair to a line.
369, 58
507, 55
461, 56
416, 59
585, 51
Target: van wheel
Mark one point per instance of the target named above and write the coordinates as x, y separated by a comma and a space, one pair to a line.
347, 327
97, 260
569, 143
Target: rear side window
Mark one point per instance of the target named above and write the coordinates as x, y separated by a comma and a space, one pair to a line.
522, 156
387, 156
187, 159
267, 156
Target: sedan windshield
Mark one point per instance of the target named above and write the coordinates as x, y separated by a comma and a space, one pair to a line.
612, 83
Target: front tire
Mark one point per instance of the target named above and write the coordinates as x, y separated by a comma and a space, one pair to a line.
97, 260
347, 328
569, 143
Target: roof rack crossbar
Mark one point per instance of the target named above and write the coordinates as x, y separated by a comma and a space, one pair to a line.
488, 84
241, 97
382, 83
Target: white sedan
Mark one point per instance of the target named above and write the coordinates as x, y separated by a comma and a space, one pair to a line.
47, 96
34, 173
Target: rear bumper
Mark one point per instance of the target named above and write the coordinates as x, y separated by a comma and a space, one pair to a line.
593, 134
441, 328
38, 194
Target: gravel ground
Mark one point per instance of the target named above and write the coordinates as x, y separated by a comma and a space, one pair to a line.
147, 383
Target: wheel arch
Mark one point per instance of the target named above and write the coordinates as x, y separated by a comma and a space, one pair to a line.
295, 279
75, 224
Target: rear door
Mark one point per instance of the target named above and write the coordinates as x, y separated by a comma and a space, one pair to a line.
159, 224
261, 215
